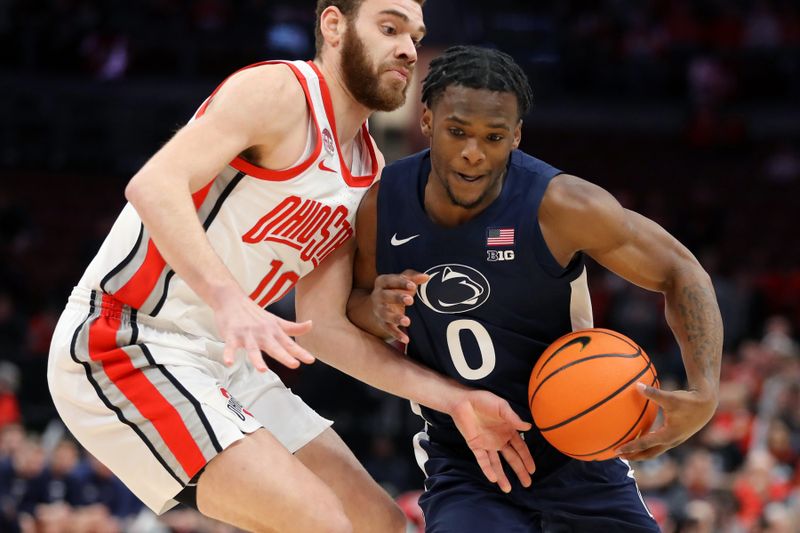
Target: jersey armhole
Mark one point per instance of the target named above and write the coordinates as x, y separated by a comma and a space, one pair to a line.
327, 102
256, 171
541, 250
381, 214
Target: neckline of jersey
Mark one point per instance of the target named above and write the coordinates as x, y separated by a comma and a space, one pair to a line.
354, 181
423, 172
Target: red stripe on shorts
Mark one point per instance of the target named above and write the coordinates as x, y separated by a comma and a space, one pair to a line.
132, 382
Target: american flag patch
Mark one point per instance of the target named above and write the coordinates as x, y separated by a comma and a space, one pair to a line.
500, 237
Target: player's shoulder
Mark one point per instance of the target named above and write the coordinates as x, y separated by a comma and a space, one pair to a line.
278, 77
272, 86
368, 209
571, 196
528, 164
370, 200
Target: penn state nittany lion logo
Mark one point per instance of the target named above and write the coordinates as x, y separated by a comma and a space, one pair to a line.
454, 289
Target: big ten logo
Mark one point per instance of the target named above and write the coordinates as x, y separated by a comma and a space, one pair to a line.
499, 255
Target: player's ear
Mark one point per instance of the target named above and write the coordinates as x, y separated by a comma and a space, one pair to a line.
517, 134
332, 24
426, 122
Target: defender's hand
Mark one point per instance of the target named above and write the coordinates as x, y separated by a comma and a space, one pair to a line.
243, 324
685, 413
489, 425
390, 297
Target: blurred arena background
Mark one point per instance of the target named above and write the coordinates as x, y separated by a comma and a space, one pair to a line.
687, 110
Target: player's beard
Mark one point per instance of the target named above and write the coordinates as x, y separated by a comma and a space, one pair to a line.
363, 79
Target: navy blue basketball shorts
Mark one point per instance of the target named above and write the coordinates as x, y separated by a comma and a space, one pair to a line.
578, 497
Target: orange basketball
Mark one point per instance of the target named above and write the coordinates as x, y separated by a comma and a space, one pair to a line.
583, 396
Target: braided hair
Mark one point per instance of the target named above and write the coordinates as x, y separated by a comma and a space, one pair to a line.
477, 68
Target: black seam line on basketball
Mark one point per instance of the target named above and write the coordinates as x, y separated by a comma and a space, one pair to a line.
641, 415
598, 404
578, 361
177, 384
116, 410
622, 438
615, 335
584, 340
206, 224
625, 340
128, 258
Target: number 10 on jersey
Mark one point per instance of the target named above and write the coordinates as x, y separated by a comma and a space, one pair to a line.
273, 287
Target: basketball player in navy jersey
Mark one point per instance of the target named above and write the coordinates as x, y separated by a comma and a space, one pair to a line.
156, 363
472, 253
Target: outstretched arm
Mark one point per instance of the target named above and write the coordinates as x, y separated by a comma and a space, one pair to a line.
487, 422
578, 216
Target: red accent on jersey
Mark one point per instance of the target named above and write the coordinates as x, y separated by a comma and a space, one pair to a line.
138, 288
264, 173
284, 241
307, 225
133, 383
290, 277
326, 168
286, 281
198, 197
353, 181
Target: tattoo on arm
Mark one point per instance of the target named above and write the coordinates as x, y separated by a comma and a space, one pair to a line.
700, 316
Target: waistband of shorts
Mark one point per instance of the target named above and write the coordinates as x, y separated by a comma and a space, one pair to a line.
99, 303
452, 443
452, 438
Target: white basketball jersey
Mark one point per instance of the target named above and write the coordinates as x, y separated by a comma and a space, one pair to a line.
269, 227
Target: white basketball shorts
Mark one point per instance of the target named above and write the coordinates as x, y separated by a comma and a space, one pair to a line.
155, 405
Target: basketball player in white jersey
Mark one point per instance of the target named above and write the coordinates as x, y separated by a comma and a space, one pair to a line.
156, 364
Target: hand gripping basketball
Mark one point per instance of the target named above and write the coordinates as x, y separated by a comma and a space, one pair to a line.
583, 394
685, 412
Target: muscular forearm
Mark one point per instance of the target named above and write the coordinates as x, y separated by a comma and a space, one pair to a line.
169, 215
693, 314
368, 359
162, 190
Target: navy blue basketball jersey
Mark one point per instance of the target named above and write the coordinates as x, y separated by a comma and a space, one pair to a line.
496, 297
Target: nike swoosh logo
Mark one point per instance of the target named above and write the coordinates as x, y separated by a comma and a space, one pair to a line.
323, 166
397, 242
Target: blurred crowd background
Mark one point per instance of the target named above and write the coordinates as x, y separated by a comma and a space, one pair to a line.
686, 110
